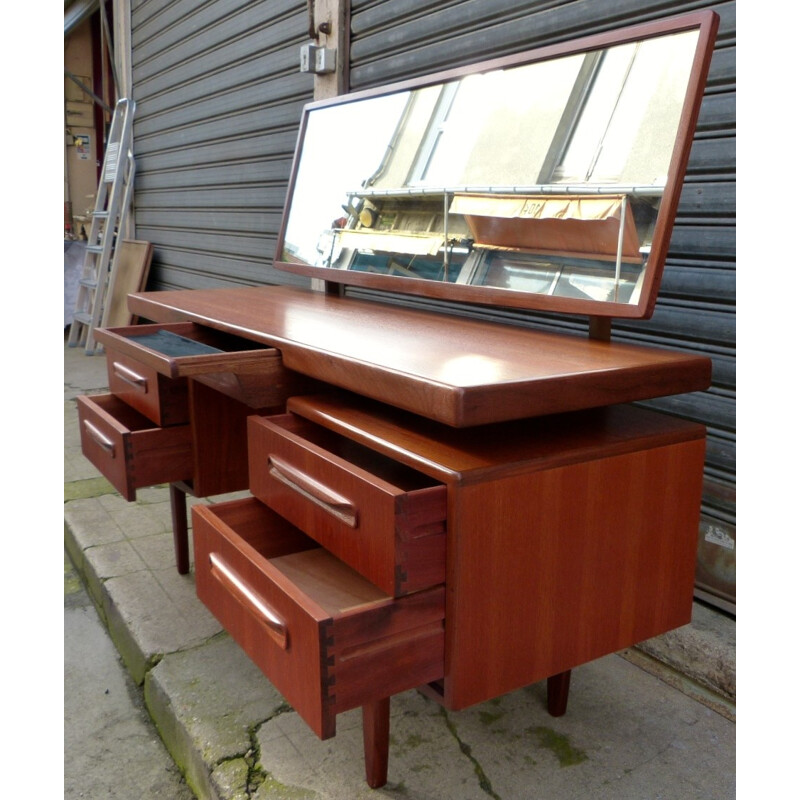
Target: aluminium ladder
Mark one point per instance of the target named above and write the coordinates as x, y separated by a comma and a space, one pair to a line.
114, 194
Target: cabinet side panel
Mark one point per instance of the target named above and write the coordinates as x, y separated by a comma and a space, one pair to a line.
555, 568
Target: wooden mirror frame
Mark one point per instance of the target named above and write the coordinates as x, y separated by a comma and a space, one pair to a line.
704, 22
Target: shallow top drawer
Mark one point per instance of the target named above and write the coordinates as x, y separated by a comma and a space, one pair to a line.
385, 520
152, 356
184, 349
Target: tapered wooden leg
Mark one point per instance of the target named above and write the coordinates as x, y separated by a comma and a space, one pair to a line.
558, 693
375, 717
180, 528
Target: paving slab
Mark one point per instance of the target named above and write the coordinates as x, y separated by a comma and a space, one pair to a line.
626, 735
111, 747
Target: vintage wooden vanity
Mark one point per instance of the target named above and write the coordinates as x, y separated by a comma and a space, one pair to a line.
439, 501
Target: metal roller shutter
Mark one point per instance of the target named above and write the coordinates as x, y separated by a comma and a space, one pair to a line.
219, 96
696, 308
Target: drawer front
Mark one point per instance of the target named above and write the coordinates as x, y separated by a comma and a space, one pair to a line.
162, 400
185, 349
128, 449
384, 520
247, 371
327, 639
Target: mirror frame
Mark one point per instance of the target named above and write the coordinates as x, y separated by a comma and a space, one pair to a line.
705, 22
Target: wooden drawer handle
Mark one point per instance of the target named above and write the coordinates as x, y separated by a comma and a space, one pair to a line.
99, 437
328, 500
127, 375
234, 584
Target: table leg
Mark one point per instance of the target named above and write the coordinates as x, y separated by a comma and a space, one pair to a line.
558, 693
180, 528
375, 719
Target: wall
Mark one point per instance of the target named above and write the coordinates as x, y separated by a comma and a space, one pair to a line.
80, 162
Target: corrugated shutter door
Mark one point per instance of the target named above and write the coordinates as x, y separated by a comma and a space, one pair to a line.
219, 96
696, 311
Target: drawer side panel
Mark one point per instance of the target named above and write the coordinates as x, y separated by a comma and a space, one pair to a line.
387, 650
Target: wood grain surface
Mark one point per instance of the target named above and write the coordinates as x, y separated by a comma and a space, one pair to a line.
458, 371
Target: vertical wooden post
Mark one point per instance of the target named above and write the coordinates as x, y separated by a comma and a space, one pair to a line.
332, 26
332, 21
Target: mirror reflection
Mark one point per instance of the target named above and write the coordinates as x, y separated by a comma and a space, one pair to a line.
544, 178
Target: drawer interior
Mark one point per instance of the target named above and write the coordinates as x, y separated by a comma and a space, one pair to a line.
327, 581
200, 341
124, 415
320, 576
387, 469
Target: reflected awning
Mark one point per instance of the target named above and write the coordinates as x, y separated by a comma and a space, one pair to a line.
556, 224
587, 208
414, 244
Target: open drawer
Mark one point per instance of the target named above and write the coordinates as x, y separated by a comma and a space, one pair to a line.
128, 449
324, 636
382, 518
148, 366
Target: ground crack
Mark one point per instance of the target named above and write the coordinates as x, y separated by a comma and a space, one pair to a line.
483, 780
255, 773
257, 776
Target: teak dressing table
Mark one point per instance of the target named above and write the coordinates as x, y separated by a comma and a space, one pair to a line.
436, 501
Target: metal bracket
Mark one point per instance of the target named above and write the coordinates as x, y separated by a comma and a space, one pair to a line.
317, 60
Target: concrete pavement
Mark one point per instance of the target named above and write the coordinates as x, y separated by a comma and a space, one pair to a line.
654, 722
112, 748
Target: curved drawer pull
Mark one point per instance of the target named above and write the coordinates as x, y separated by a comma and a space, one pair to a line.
99, 437
234, 584
127, 375
331, 502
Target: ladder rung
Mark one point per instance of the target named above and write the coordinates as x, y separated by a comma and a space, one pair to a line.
112, 204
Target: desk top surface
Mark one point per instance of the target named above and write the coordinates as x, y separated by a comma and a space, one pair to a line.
455, 370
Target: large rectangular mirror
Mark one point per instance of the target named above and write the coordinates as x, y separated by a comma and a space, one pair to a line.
547, 180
